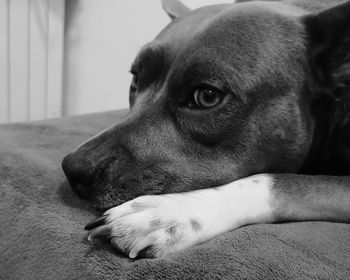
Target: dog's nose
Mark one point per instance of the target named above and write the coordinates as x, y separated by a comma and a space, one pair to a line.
79, 172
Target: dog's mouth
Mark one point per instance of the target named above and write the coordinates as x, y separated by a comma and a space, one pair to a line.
103, 201
114, 187
100, 195
105, 195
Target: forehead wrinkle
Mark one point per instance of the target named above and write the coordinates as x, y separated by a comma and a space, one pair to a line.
153, 51
151, 65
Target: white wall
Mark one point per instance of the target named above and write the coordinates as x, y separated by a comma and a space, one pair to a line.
31, 59
102, 39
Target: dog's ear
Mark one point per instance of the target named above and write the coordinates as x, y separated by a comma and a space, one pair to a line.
174, 8
329, 34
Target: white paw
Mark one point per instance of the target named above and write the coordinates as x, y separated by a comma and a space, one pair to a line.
151, 225
156, 225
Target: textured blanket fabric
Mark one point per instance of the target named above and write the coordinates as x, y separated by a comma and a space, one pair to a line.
42, 236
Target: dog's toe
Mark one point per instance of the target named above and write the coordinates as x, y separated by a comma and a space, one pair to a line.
148, 226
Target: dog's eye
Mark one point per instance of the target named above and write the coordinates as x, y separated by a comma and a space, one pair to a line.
205, 98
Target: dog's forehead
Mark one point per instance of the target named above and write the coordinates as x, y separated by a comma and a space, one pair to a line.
241, 30
251, 25
245, 39
246, 42
228, 17
184, 28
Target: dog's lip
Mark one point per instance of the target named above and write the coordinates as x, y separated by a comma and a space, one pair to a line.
105, 194
102, 204
102, 207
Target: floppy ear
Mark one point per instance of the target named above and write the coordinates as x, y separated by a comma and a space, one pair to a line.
174, 8
329, 34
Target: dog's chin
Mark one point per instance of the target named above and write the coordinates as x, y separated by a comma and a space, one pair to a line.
102, 209
106, 194
103, 206
104, 200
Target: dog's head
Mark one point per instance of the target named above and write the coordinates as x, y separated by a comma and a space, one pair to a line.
223, 92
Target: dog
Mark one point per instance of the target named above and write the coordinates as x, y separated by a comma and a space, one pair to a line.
239, 114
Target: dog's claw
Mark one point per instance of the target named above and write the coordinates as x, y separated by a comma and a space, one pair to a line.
95, 223
100, 232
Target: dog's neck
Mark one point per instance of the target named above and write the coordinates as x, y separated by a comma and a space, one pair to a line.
330, 150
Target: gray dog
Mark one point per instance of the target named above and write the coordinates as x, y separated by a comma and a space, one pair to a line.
239, 114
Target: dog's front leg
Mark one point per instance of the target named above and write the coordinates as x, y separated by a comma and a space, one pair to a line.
311, 198
160, 224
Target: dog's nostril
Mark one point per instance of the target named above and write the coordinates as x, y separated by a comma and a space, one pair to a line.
77, 172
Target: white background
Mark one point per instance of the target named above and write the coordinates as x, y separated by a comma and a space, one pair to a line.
101, 40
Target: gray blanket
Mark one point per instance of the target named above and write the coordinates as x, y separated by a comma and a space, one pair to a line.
42, 236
